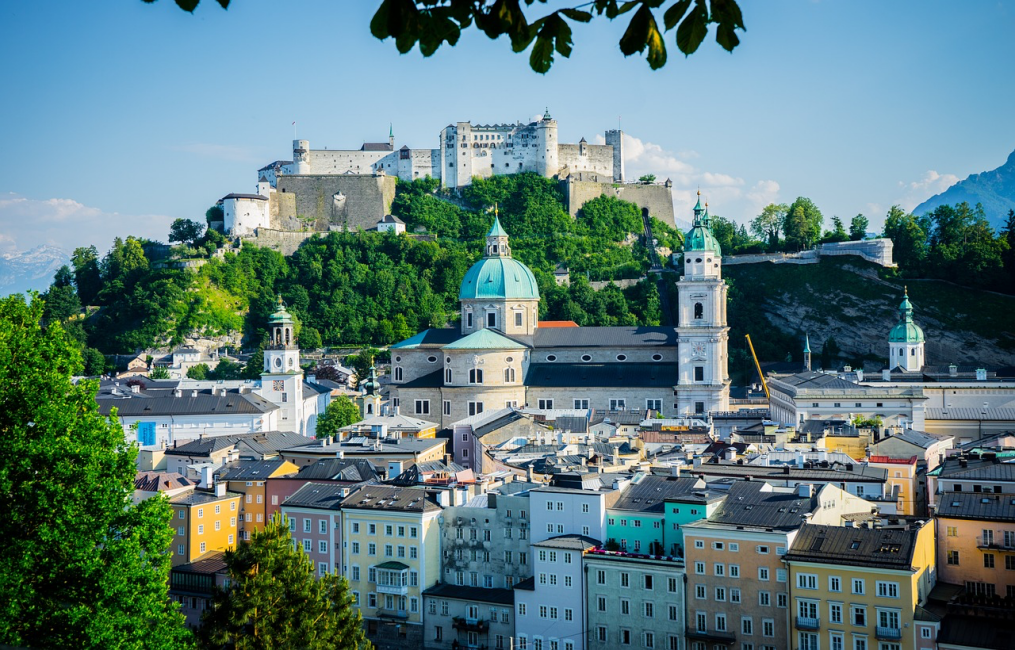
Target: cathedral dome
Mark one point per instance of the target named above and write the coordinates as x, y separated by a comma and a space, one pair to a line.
906, 331
700, 237
499, 277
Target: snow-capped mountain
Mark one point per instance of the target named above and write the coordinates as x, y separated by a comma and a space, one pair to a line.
31, 269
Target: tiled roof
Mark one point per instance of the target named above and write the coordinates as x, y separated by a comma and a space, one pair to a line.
257, 470
650, 493
604, 337
348, 470
376, 146
471, 594
569, 543
156, 481
375, 497
323, 496
887, 548
979, 506
620, 374
752, 503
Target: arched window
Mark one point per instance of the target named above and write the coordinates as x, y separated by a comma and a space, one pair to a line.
370, 408
476, 376
398, 373
447, 376
699, 310
509, 375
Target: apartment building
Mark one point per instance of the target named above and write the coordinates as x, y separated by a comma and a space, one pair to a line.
647, 519
315, 523
204, 521
976, 542
251, 479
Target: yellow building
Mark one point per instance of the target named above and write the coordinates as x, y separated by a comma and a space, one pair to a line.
249, 479
204, 521
901, 483
390, 555
976, 542
859, 588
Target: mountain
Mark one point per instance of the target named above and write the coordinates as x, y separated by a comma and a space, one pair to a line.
32, 269
994, 189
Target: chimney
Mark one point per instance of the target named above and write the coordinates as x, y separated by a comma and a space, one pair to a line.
193, 393
220, 489
730, 453
529, 474
178, 393
675, 470
805, 490
207, 477
394, 468
886, 375
312, 379
137, 389
340, 454
697, 461
981, 375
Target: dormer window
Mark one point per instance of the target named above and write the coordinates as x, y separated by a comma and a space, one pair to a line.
494, 249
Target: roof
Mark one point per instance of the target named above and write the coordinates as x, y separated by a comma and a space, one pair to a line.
983, 469
157, 481
362, 446
919, 438
496, 230
557, 323
276, 164
323, 496
210, 562
636, 374
252, 197
257, 470
604, 337
978, 506
836, 473
390, 218
629, 417
471, 594
485, 339
375, 497
203, 403
906, 331
975, 632
499, 278
885, 548
347, 470
700, 237
394, 421
569, 543
892, 460
259, 442
754, 503
377, 146
436, 338
812, 379
199, 497
650, 493
975, 414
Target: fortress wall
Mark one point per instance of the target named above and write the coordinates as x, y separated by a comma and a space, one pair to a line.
658, 199
282, 211
364, 199
324, 161
597, 158
284, 241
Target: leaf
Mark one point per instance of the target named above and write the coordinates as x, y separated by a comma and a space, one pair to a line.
379, 23
224, 3
541, 57
673, 15
636, 35
187, 5
726, 13
693, 29
577, 15
656, 46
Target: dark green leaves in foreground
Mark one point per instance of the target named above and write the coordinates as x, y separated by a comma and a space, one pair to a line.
431, 23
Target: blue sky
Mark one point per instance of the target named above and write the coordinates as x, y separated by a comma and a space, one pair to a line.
119, 116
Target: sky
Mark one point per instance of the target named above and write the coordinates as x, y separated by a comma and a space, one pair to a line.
120, 116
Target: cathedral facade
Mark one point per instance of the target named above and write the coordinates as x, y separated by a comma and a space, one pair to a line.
502, 356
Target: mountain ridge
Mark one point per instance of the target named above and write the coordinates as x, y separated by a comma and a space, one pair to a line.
30, 270
994, 189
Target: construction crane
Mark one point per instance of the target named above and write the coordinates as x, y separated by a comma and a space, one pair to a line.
757, 365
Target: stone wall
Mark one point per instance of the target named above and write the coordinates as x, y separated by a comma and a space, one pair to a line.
657, 199
878, 251
284, 241
328, 202
595, 158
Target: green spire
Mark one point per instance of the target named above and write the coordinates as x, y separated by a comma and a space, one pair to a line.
906, 331
391, 130
371, 385
698, 210
546, 114
807, 343
497, 230
280, 315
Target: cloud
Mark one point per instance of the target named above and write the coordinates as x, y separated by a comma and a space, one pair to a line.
932, 182
762, 193
228, 152
67, 224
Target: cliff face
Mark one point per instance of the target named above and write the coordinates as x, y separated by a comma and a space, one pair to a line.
994, 189
856, 303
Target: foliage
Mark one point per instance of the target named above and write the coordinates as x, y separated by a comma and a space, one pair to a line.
666, 235
862, 422
214, 213
360, 364
82, 567
198, 372
768, 224
137, 382
62, 299
838, 232
159, 372
87, 278
185, 231
226, 369
274, 601
310, 339
341, 412
95, 362
732, 238
328, 372
858, 228
648, 179
802, 224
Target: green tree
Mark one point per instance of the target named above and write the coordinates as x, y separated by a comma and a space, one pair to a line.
648, 179
61, 299
95, 362
802, 224
214, 213
858, 228
361, 363
341, 412
838, 232
159, 372
198, 372
82, 566
255, 364
274, 601
909, 239
226, 369
87, 277
185, 231
767, 225
310, 339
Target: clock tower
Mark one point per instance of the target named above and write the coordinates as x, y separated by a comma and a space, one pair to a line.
282, 378
703, 382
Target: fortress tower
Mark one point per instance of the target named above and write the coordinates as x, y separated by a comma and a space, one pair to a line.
548, 161
615, 138
301, 156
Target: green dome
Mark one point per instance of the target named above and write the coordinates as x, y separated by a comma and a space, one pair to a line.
700, 238
906, 331
281, 316
499, 277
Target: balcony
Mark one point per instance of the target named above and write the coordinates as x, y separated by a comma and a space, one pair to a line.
392, 578
470, 624
995, 543
808, 623
888, 633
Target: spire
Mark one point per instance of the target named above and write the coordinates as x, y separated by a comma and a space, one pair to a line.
807, 343
391, 130
497, 238
698, 210
546, 114
906, 307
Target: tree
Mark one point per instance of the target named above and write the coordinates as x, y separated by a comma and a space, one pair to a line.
274, 601
159, 372
198, 372
360, 363
325, 372
341, 412
768, 224
310, 338
909, 239
82, 566
226, 369
432, 23
87, 278
802, 225
214, 213
185, 231
61, 299
858, 228
647, 179
95, 362
838, 233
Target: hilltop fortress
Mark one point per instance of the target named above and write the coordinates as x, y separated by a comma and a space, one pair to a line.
335, 189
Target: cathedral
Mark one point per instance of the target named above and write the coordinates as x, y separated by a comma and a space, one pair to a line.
502, 356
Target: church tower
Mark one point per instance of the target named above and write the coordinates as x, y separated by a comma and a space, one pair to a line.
807, 352
499, 292
703, 382
369, 399
282, 378
906, 340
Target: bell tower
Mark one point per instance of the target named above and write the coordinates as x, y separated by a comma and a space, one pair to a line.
703, 382
906, 340
282, 378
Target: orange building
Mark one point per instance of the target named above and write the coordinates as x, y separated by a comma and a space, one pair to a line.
902, 483
250, 479
976, 542
204, 521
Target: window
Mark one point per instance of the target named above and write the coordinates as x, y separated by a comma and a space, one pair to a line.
765, 598
322, 546
699, 373
649, 610
747, 625
781, 600
491, 319
720, 622
953, 558
476, 376
835, 613
518, 319
719, 569
475, 408
763, 550
699, 311
767, 627
834, 583
806, 581
422, 407
699, 592
581, 404
699, 568
720, 594
468, 319
887, 589
654, 404
546, 404
763, 573
858, 615
200, 529
734, 570
625, 579
509, 375
699, 407
355, 547
988, 560
398, 373
858, 586
618, 404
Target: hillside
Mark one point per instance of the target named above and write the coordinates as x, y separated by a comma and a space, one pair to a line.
855, 303
994, 189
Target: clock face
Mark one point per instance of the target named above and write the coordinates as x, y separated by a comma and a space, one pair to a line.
278, 385
698, 351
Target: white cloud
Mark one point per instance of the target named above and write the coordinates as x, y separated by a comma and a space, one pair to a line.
762, 193
67, 224
932, 182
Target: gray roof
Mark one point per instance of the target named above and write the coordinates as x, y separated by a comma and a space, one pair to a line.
323, 496
390, 218
204, 403
497, 423
257, 470
650, 493
840, 473
471, 594
804, 380
569, 543
983, 469
198, 497
979, 506
356, 447
992, 414
626, 417
603, 337
277, 163
376, 497
886, 548
620, 374
977, 632
210, 562
260, 442
253, 197
919, 438
348, 470
574, 424
748, 504
376, 146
